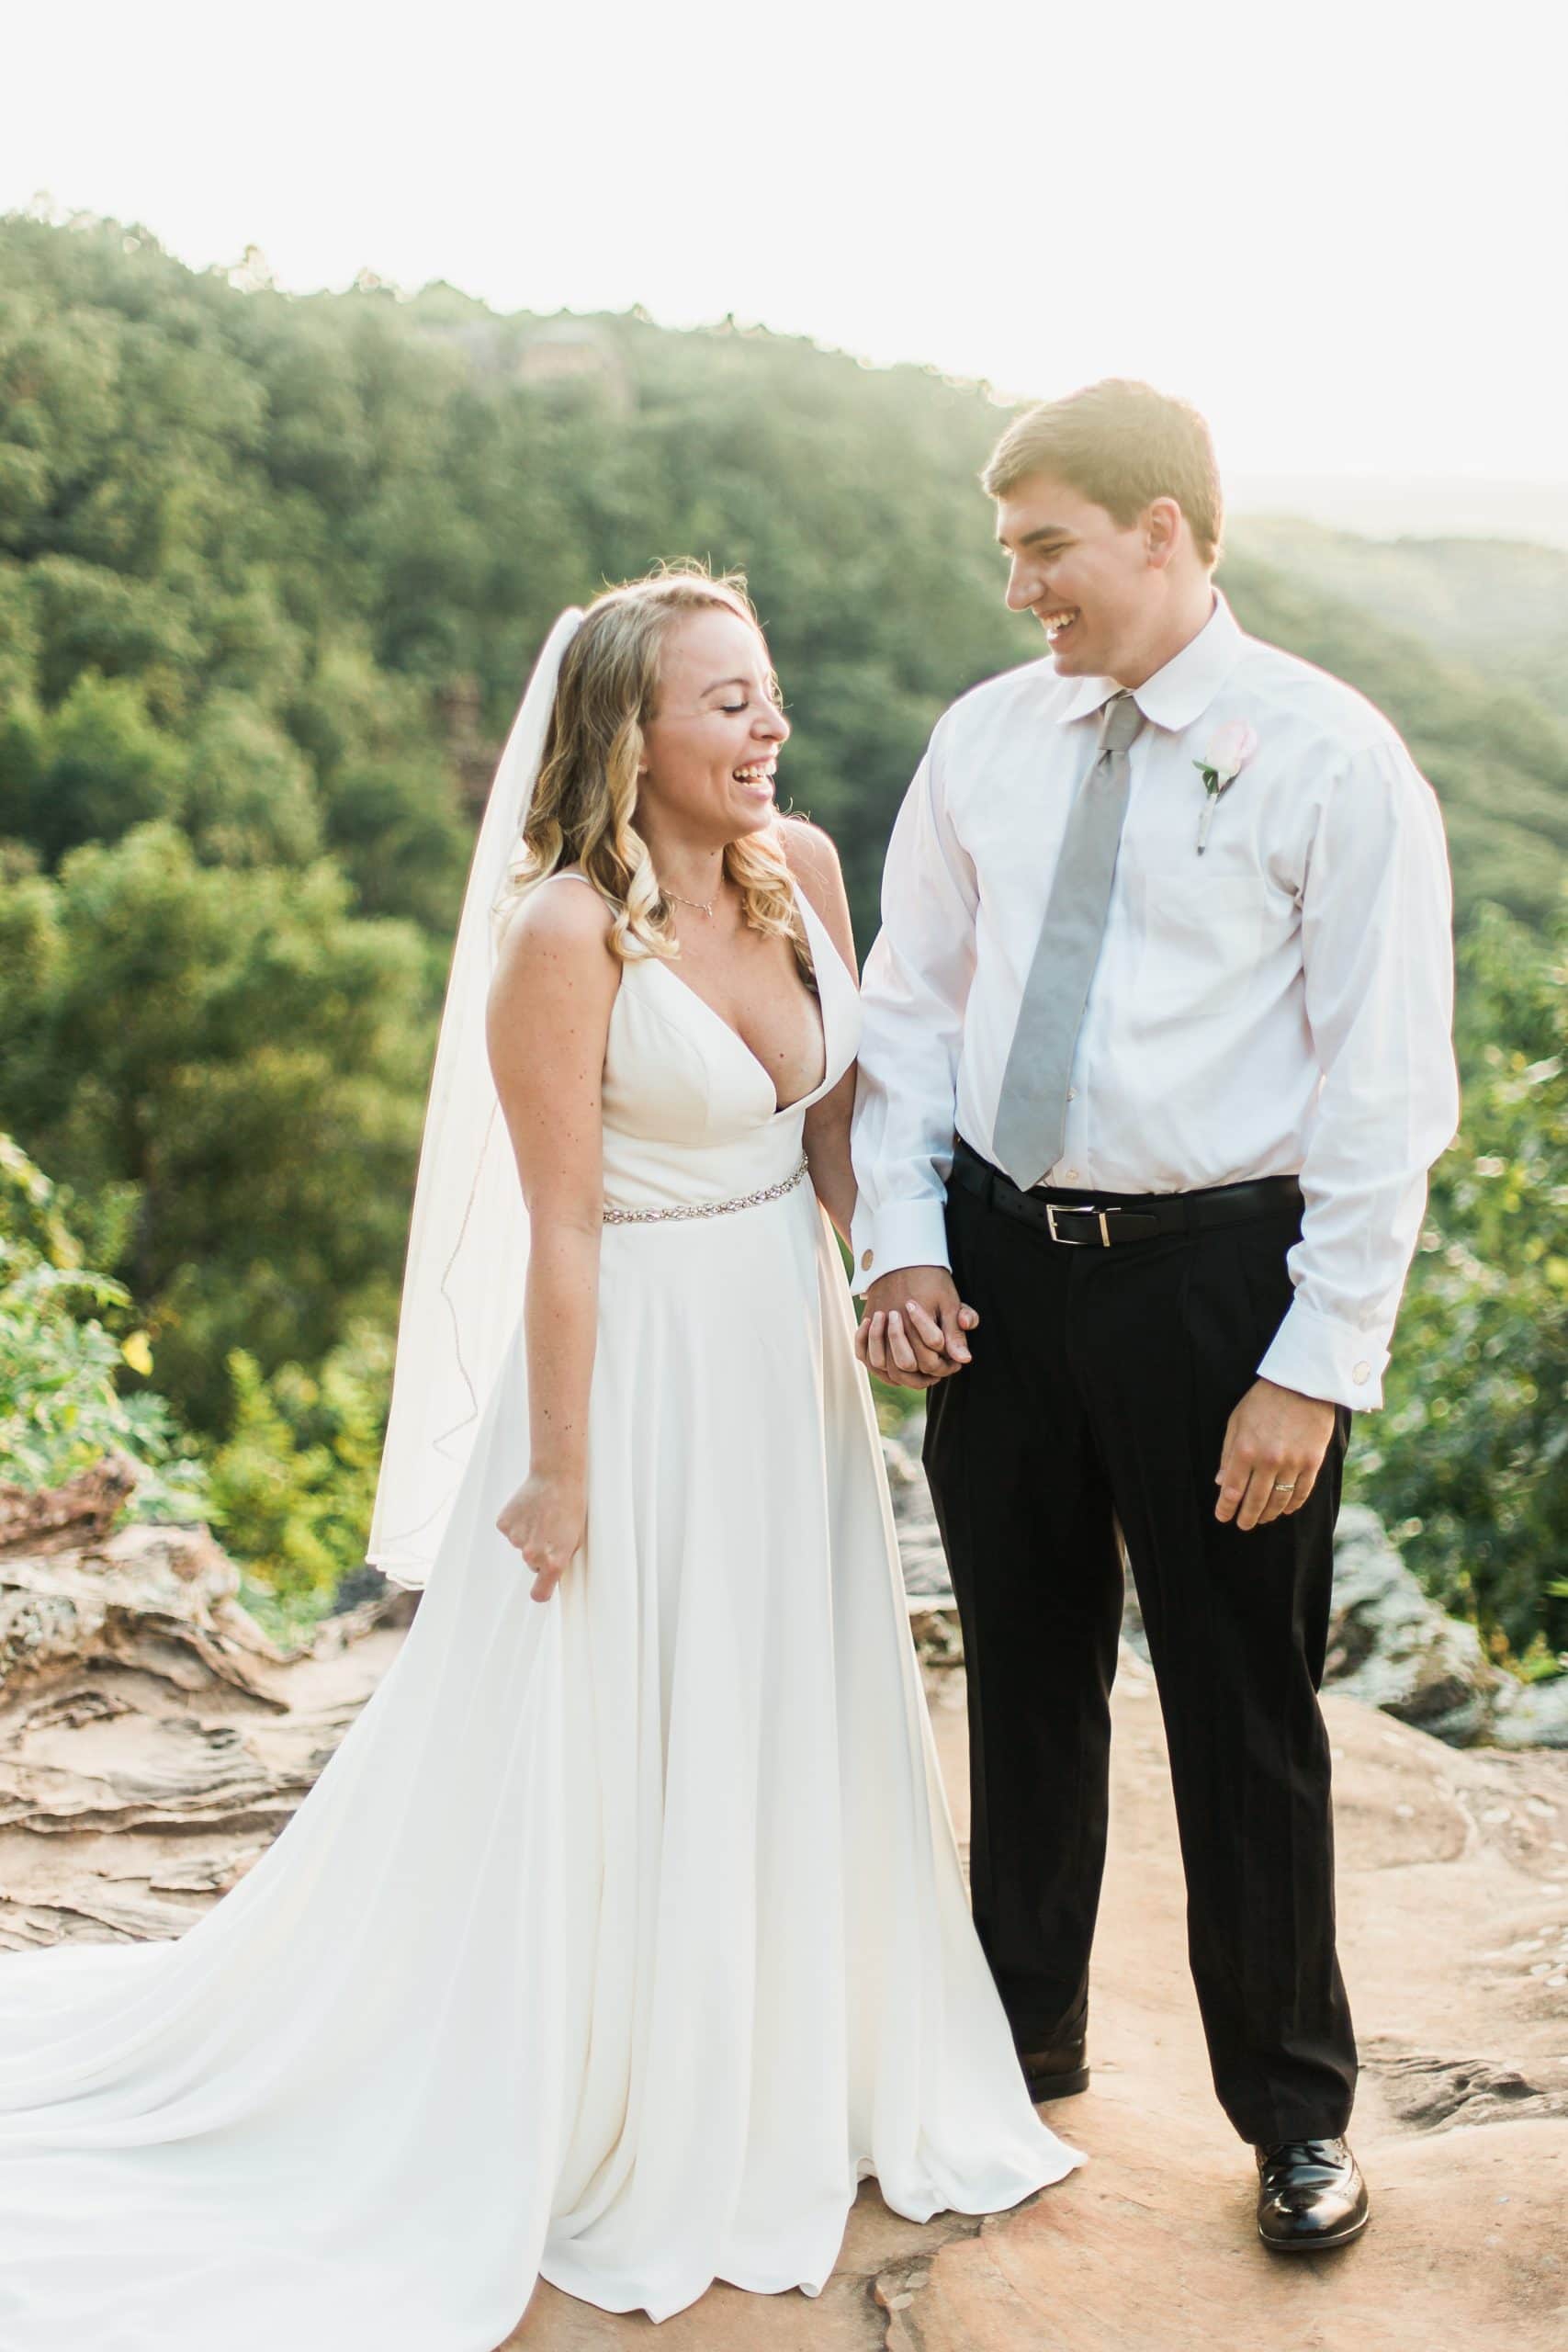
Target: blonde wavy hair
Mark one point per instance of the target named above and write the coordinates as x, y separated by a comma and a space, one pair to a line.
584, 805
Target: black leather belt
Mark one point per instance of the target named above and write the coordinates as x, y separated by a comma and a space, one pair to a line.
1101, 1220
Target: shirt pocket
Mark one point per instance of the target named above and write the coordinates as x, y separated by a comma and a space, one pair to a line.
1198, 937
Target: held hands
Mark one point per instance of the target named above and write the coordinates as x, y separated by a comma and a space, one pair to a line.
912, 1333
546, 1518
1275, 1441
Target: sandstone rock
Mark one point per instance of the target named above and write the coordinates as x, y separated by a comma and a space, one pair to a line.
69, 1515
164, 1599
1392, 1647
1530, 1714
919, 1546
1462, 2123
153, 1737
142, 1777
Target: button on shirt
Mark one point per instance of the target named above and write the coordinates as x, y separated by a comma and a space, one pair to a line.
1279, 1005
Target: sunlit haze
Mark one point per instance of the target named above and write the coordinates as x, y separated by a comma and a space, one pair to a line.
1338, 229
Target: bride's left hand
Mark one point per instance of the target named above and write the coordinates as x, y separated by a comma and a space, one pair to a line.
546, 1518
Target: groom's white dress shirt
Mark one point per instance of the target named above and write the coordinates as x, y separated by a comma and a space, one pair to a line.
1279, 1005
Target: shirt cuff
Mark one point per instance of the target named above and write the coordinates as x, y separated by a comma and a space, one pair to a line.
900, 1233
1318, 1357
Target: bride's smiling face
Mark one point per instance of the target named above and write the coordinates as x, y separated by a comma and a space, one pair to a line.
711, 748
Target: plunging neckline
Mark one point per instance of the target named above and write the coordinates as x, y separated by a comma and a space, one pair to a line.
801, 1101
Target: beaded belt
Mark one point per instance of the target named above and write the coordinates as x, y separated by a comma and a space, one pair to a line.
707, 1208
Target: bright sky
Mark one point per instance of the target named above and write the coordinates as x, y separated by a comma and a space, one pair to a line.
1339, 228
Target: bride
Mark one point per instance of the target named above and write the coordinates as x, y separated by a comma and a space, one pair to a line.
624, 1931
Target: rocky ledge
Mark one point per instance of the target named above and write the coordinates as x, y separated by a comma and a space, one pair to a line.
152, 1740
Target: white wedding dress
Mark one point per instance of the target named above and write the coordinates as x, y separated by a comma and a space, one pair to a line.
621, 1937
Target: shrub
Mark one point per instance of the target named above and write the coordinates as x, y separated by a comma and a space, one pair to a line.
61, 1405
1468, 1462
293, 1483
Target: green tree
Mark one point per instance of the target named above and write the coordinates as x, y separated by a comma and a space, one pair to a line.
249, 1055
292, 1486
1469, 1458
272, 571
67, 1335
219, 491
88, 770
248, 797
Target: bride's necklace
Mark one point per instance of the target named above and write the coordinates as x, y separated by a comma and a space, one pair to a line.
702, 905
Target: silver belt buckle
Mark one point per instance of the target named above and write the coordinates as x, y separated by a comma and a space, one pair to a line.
1066, 1239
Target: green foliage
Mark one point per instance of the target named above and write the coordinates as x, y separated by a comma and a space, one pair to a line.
271, 573
251, 1060
249, 798
1469, 1459
1495, 606
181, 463
343, 510
292, 1487
61, 1405
87, 770
293, 1484
1498, 761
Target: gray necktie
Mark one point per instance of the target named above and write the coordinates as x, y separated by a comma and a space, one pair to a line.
1032, 1116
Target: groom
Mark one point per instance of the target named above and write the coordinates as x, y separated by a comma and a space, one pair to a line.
1156, 1059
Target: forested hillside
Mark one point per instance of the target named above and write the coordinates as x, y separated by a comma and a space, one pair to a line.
1497, 607
1497, 757
272, 571
312, 544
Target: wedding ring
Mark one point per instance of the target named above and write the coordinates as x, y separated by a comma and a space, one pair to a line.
1284, 1485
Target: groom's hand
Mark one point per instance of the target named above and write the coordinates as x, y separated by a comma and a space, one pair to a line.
1275, 1442
913, 1330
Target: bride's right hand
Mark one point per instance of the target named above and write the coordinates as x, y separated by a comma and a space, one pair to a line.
546, 1518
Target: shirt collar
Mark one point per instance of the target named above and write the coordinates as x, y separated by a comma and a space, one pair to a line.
1183, 690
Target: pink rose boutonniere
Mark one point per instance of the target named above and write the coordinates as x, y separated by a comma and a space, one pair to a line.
1225, 754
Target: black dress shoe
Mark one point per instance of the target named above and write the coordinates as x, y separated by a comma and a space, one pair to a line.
1311, 2196
1055, 2068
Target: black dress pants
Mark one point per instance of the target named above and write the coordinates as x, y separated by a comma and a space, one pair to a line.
1101, 1383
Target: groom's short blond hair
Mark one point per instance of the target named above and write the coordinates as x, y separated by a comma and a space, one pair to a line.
1120, 444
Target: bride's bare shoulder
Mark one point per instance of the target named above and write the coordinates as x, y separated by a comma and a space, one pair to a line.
560, 912
812, 856
814, 862
558, 930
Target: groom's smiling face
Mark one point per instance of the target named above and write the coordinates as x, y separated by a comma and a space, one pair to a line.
1092, 582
